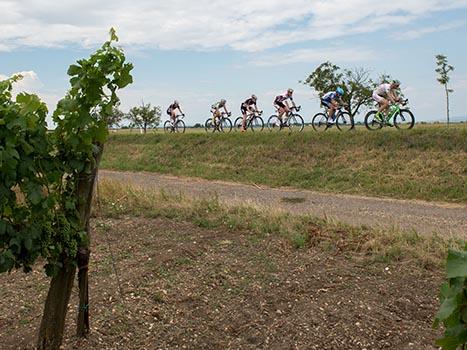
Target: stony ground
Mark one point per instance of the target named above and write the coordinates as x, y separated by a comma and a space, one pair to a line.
163, 284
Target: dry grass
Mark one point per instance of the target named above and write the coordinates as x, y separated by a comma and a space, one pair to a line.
116, 200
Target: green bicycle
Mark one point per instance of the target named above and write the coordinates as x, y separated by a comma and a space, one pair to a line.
402, 117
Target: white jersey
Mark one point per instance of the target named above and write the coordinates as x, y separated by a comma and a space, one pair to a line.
383, 89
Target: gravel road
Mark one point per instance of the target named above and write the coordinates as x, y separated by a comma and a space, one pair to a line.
425, 217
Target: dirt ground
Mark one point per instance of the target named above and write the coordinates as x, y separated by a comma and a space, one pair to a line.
447, 219
186, 287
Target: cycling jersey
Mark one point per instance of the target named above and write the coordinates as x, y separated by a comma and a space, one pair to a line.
218, 105
249, 102
282, 98
332, 95
383, 90
171, 108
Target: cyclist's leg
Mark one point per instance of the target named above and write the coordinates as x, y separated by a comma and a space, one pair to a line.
173, 116
244, 112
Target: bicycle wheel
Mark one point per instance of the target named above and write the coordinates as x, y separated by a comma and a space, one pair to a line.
179, 126
226, 125
296, 123
238, 124
404, 119
209, 126
371, 122
168, 126
344, 121
320, 122
256, 124
274, 123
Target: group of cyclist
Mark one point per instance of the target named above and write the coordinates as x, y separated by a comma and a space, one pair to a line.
384, 95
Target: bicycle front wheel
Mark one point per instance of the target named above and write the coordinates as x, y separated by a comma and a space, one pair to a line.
296, 123
179, 126
320, 122
274, 123
168, 126
257, 124
226, 125
372, 122
404, 119
344, 121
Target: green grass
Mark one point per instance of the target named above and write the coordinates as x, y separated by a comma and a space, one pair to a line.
428, 163
301, 232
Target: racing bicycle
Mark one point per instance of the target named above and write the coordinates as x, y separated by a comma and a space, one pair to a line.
343, 119
402, 118
176, 127
253, 122
290, 120
221, 124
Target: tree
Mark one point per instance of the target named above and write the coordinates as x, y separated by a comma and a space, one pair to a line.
443, 70
144, 116
356, 83
115, 117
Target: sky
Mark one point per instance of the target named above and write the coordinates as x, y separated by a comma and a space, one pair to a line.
201, 51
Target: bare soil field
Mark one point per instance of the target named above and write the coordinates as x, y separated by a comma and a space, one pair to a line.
159, 283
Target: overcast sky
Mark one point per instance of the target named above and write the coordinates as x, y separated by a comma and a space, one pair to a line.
201, 51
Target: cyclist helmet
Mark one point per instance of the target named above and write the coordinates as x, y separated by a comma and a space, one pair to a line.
395, 83
290, 91
340, 91
254, 97
176, 103
223, 102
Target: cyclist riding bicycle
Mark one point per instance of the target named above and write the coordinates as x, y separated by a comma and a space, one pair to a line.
332, 100
215, 110
280, 102
385, 94
248, 106
172, 111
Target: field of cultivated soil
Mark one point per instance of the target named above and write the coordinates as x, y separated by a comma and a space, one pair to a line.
188, 287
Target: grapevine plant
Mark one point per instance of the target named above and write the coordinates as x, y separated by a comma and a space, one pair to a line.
453, 311
47, 178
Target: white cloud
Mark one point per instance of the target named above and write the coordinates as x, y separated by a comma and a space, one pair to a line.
248, 25
344, 55
418, 33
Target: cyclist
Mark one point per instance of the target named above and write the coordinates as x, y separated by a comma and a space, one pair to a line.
332, 100
248, 106
385, 94
172, 111
215, 110
280, 102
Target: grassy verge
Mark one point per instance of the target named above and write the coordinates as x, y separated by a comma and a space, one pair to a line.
425, 163
301, 232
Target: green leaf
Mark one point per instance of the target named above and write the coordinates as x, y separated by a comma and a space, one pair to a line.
7, 261
447, 308
457, 264
74, 70
448, 343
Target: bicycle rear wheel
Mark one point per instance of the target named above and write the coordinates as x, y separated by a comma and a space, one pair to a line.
372, 122
320, 122
238, 124
274, 123
344, 121
168, 127
296, 123
256, 124
209, 125
179, 126
404, 119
